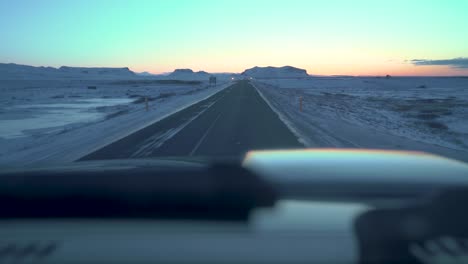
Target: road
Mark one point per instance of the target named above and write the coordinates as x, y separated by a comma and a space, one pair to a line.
229, 123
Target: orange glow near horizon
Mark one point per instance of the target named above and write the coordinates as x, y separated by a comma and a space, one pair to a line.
325, 69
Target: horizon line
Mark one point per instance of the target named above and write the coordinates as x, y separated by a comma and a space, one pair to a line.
239, 73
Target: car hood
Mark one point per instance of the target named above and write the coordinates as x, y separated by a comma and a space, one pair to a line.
318, 174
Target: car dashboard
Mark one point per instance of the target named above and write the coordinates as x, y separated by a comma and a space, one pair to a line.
313, 206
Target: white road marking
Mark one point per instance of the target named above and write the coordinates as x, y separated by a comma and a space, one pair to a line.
204, 136
154, 142
300, 138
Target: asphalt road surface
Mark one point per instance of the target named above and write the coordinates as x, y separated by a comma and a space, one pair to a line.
229, 123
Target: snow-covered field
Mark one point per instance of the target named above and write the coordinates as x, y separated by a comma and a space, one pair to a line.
62, 120
412, 113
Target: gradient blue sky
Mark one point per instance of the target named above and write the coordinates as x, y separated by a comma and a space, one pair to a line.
361, 37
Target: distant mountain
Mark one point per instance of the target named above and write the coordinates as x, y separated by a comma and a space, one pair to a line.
275, 72
188, 74
183, 71
97, 71
17, 71
146, 74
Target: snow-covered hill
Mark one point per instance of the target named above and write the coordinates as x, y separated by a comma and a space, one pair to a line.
188, 74
275, 72
11, 71
147, 74
114, 72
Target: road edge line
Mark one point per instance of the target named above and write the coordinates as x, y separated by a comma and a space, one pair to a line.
300, 136
200, 141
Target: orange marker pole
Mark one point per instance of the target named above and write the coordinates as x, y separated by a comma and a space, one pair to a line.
300, 103
146, 103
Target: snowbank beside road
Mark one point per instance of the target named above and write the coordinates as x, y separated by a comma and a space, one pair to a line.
426, 114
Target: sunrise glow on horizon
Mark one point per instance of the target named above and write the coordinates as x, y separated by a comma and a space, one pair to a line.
330, 37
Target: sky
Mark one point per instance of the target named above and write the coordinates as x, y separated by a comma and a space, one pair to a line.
330, 37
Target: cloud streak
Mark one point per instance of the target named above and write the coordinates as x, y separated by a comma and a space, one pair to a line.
459, 63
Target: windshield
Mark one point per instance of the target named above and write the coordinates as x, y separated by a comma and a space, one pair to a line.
99, 80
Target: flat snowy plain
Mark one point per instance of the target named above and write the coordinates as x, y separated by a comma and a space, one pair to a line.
405, 113
44, 121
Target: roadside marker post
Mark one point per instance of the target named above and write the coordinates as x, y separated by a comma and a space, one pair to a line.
146, 103
300, 103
